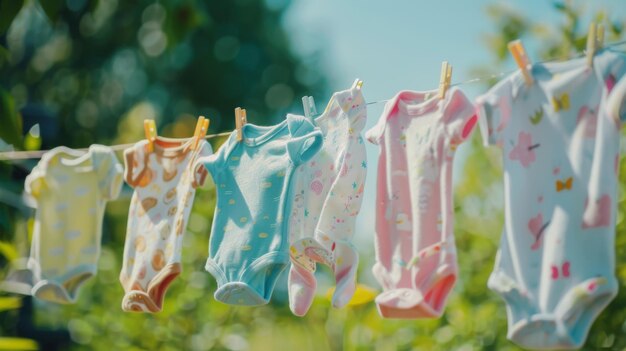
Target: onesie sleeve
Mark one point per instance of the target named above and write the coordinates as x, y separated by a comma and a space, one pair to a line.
199, 171
305, 141
375, 134
615, 83
494, 111
110, 173
35, 182
339, 211
301, 149
212, 162
134, 163
460, 117
616, 103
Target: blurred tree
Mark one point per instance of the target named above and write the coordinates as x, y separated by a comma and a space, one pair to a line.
90, 62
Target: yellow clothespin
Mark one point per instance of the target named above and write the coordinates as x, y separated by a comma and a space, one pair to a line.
149, 128
357, 84
592, 42
445, 79
201, 129
521, 58
600, 36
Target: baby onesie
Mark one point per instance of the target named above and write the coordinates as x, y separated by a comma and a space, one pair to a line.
328, 193
249, 242
71, 189
556, 262
418, 134
165, 183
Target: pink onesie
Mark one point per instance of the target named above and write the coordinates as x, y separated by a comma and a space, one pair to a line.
418, 134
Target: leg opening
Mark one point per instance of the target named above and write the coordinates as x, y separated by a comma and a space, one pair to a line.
438, 294
157, 289
302, 284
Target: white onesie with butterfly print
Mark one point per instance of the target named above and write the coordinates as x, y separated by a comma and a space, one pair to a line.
556, 265
328, 192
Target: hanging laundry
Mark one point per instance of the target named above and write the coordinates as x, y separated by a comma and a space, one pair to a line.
416, 262
328, 192
165, 182
71, 189
249, 241
555, 268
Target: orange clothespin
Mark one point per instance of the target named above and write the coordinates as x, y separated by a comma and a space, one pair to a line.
445, 79
201, 129
521, 58
592, 43
149, 128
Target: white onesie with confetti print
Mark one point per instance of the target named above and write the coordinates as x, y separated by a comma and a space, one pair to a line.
328, 192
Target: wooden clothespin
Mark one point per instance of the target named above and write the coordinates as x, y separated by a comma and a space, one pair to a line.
445, 79
357, 84
201, 129
244, 117
592, 43
238, 123
600, 36
149, 128
308, 104
241, 119
521, 58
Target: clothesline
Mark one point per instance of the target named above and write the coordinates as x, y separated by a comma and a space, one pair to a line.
23, 155
501, 74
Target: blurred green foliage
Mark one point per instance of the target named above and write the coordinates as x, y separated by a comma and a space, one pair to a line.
100, 67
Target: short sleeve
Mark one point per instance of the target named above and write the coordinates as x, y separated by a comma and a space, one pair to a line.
212, 162
615, 83
375, 134
461, 116
110, 173
305, 139
199, 171
494, 111
616, 103
302, 149
134, 163
35, 182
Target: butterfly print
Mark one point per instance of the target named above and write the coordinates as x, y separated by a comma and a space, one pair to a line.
565, 184
561, 103
536, 117
565, 272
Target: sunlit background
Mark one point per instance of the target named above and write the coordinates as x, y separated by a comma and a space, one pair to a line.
79, 72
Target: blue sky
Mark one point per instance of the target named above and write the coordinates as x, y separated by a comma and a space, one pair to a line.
394, 45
